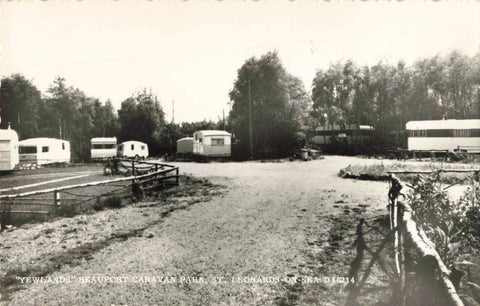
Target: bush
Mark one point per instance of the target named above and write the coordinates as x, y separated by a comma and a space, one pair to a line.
453, 226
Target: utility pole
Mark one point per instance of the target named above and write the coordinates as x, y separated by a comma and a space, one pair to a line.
173, 111
60, 127
223, 115
250, 119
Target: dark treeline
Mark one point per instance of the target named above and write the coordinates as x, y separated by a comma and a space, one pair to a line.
65, 112
271, 112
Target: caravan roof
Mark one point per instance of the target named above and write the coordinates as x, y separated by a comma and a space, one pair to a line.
443, 124
8, 134
38, 141
185, 139
214, 133
104, 140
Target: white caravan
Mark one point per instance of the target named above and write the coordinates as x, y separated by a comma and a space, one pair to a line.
185, 145
44, 151
212, 143
451, 135
132, 149
8, 149
103, 147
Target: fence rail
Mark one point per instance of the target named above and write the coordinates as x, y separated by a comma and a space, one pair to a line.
415, 282
401, 213
144, 176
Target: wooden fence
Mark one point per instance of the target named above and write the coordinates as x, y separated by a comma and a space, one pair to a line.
432, 282
143, 177
430, 268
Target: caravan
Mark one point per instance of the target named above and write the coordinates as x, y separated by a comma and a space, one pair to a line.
185, 145
8, 149
44, 151
452, 135
103, 147
132, 149
212, 143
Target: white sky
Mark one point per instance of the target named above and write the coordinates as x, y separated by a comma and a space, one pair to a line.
190, 51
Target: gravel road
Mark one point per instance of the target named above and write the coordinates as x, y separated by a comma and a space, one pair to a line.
272, 225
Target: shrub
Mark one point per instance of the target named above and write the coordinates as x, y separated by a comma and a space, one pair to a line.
453, 226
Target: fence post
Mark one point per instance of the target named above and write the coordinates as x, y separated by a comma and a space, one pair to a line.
176, 176
133, 167
472, 181
401, 254
56, 198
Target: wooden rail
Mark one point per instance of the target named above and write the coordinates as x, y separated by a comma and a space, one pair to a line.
433, 171
139, 183
402, 212
57, 189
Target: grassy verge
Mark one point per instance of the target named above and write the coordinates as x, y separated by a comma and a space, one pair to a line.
380, 172
98, 198
189, 192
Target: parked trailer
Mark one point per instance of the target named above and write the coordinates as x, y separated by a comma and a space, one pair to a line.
132, 149
44, 151
9, 157
103, 147
185, 145
449, 135
212, 143
352, 133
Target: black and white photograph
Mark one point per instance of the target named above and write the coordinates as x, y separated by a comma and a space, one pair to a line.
239, 152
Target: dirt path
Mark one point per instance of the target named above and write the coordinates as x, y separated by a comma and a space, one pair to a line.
275, 223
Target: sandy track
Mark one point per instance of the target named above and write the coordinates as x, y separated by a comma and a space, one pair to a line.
273, 222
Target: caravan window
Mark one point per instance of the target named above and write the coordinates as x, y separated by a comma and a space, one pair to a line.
142, 147
200, 140
103, 146
28, 150
45, 149
63, 146
461, 133
133, 147
218, 141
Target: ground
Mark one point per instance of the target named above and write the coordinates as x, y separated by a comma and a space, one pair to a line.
244, 242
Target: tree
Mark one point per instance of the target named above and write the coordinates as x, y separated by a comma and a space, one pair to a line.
142, 118
20, 101
272, 102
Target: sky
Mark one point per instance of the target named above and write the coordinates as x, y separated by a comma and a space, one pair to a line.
189, 51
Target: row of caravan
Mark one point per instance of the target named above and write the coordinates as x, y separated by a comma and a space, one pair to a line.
50, 150
104, 147
43, 150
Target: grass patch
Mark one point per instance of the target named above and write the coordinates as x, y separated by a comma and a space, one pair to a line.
109, 202
379, 172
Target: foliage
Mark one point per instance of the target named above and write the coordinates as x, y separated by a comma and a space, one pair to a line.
431, 204
275, 102
387, 96
64, 112
142, 118
452, 225
20, 101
